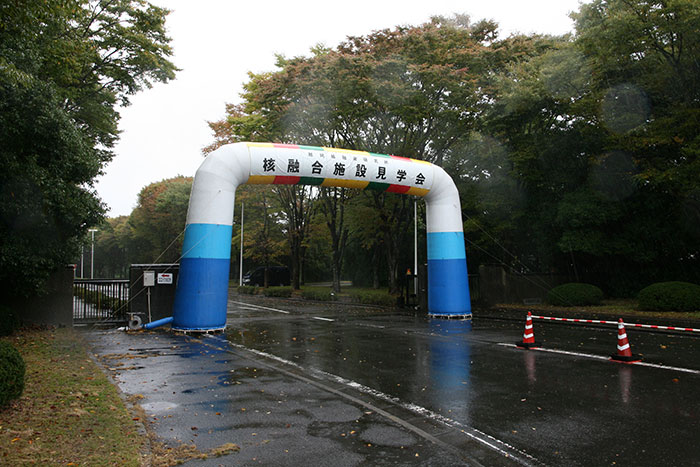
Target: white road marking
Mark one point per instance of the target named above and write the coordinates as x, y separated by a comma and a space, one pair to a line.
259, 306
322, 319
499, 446
370, 325
602, 357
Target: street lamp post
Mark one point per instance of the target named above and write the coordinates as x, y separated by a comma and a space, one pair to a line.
415, 247
240, 269
92, 254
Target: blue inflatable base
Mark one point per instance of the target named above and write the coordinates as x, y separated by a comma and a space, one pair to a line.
448, 288
202, 295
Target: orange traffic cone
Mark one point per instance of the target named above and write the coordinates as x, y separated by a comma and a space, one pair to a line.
529, 334
624, 352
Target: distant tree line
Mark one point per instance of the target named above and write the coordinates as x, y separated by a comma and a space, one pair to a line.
575, 154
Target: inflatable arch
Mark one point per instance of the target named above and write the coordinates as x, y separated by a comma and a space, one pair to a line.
202, 289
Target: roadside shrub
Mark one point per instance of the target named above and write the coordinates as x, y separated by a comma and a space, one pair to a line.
9, 321
372, 297
247, 289
11, 373
285, 292
324, 295
575, 294
670, 296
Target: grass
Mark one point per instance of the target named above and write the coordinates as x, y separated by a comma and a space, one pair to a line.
69, 413
349, 294
362, 295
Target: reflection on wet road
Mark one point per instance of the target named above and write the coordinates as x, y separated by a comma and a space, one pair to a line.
543, 407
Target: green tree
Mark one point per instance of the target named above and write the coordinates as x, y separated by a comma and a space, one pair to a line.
333, 203
365, 224
64, 67
413, 91
157, 223
645, 62
111, 248
534, 148
596, 138
263, 237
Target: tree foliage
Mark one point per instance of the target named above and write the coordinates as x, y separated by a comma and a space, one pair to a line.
157, 223
576, 154
263, 239
586, 161
64, 67
412, 91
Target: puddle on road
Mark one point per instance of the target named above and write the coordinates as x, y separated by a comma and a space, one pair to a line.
158, 406
236, 376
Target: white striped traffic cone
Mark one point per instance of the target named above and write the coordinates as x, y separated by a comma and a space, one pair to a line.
624, 351
529, 334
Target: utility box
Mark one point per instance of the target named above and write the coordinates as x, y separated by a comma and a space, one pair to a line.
152, 290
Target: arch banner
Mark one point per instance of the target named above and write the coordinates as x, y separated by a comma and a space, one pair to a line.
202, 289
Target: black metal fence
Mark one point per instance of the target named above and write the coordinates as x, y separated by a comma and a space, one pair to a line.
100, 301
474, 288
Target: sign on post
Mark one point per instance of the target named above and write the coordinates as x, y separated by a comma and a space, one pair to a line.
165, 277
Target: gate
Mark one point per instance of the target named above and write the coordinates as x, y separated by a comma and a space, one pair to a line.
100, 301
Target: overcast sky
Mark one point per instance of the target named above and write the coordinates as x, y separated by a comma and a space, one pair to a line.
217, 42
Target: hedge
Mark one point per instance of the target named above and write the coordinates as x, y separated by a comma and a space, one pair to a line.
575, 294
285, 292
319, 294
12, 370
373, 297
670, 296
247, 289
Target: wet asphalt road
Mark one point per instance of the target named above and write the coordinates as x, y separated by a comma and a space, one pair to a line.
300, 384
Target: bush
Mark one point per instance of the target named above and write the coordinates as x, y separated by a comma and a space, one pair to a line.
247, 289
9, 321
575, 294
670, 296
319, 294
372, 297
285, 292
11, 373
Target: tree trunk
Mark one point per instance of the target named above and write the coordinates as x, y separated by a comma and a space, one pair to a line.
296, 203
336, 278
334, 211
375, 267
395, 222
392, 255
295, 271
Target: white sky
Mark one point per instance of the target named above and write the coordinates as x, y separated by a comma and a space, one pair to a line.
217, 42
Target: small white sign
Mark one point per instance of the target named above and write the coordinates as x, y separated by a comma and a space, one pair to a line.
165, 277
